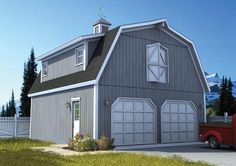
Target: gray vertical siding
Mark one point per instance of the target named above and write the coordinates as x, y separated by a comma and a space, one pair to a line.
52, 120
125, 76
64, 63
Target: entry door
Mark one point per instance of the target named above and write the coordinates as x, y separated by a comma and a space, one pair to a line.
76, 111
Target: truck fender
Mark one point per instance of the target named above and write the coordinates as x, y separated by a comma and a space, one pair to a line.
215, 134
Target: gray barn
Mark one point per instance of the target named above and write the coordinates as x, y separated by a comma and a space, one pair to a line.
141, 83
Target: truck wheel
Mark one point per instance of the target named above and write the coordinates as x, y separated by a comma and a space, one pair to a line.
213, 142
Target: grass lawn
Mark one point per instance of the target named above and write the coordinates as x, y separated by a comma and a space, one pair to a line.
16, 152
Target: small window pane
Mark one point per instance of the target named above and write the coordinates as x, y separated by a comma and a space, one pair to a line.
77, 110
79, 55
45, 68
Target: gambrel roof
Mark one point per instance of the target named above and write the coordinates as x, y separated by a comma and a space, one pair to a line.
101, 56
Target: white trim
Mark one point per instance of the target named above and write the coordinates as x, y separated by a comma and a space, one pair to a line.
82, 84
204, 107
69, 44
30, 129
95, 112
72, 113
100, 25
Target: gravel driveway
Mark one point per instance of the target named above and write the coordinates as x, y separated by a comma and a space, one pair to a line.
223, 156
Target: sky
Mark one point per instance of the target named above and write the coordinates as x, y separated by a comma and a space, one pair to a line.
46, 24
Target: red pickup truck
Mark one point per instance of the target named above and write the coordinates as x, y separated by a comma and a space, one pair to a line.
217, 134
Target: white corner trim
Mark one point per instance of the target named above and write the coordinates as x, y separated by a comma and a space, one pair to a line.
30, 129
87, 83
204, 107
95, 112
69, 44
85, 55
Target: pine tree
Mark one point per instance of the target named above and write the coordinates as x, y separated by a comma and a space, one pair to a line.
223, 97
7, 110
3, 113
29, 76
12, 105
230, 98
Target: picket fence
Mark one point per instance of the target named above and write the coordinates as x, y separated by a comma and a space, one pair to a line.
14, 127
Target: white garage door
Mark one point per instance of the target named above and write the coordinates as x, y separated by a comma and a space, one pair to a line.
178, 122
133, 121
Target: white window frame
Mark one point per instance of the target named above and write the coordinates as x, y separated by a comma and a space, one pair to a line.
159, 65
76, 55
44, 69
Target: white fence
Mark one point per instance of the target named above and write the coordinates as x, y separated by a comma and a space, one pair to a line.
225, 119
14, 127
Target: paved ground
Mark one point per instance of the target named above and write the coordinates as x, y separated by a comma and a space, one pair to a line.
223, 157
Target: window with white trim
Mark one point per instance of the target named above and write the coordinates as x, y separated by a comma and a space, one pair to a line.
45, 68
157, 63
79, 54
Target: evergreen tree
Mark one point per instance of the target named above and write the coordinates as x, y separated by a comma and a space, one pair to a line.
12, 105
223, 97
3, 113
230, 98
7, 110
29, 76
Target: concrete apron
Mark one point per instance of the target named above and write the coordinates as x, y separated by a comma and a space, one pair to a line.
130, 147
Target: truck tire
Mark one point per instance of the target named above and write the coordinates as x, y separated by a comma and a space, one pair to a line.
213, 142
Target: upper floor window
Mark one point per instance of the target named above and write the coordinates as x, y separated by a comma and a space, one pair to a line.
79, 53
45, 68
157, 63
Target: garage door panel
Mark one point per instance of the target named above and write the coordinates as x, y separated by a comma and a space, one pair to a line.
190, 126
138, 138
149, 137
166, 126
129, 116
183, 136
149, 117
138, 127
118, 107
118, 127
166, 137
147, 107
190, 117
138, 117
129, 127
174, 108
182, 108
174, 117
166, 117
118, 139
149, 127
129, 106
138, 106
118, 116
182, 117
133, 121
128, 138
174, 126
182, 126
179, 123
174, 136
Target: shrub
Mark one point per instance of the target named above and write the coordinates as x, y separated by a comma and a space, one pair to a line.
104, 143
82, 143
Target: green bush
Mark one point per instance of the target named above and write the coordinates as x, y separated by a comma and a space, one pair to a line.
82, 143
104, 143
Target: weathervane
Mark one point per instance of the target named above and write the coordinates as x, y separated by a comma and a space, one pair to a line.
101, 14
